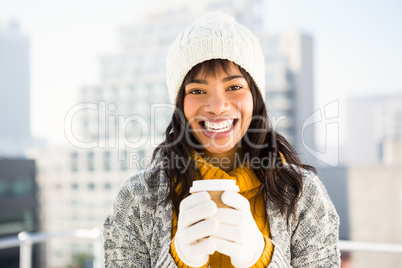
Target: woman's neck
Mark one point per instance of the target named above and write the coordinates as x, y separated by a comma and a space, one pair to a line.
225, 161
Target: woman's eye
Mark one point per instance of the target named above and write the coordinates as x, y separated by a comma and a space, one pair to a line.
235, 87
195, 91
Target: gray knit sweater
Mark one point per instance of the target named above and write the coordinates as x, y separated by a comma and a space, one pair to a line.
138, 233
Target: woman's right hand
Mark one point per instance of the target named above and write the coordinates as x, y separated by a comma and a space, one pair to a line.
196, 225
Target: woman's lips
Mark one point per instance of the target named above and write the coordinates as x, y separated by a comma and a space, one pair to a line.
218, 129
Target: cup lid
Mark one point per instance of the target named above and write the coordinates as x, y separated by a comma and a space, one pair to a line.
214, 185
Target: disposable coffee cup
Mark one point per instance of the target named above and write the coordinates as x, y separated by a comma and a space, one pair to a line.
215, 188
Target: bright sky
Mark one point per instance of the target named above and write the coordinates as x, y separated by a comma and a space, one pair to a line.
357, 47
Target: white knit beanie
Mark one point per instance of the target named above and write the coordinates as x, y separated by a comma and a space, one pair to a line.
214, 35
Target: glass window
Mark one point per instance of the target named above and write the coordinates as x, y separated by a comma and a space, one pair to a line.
74, 159
90, 161
3, 188
21, 187
106, 160
107, 186
91, 186
74, 186
123, 165
123, 160
28, 220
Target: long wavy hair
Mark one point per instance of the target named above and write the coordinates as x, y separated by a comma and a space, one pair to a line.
281, 183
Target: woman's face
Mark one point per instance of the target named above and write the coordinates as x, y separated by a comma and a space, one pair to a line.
219, 109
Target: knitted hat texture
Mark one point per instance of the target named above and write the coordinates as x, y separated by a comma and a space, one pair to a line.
214, 35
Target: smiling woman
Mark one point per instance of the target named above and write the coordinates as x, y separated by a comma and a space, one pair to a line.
282, 215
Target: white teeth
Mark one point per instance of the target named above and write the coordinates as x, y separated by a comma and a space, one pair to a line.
218, 127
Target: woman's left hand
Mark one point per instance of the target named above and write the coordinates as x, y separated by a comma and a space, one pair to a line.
238, 236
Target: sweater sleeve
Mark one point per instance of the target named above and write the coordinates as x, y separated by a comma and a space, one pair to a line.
128, 231
124, 245
315, 237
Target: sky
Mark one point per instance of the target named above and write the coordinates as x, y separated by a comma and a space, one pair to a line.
357, 48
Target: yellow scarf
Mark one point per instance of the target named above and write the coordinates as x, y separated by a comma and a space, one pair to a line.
249, 185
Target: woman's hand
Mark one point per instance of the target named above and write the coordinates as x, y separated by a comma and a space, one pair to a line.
238, 236
193, 241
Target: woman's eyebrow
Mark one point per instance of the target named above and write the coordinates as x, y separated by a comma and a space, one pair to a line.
226, 79
198, 81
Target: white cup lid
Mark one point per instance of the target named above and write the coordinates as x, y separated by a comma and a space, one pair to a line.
214, 185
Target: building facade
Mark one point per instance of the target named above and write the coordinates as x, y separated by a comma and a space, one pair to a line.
77, 188
15, 132
372, 122
375, 206
18, 206
290, 90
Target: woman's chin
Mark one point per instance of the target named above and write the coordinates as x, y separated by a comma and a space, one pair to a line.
218, 150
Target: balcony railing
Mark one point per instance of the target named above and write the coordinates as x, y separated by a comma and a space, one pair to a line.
26, 240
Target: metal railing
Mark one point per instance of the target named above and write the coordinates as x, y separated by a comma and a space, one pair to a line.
350, 246
26, 240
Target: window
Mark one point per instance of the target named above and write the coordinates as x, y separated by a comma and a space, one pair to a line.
107, 186
91, 186
3, 188
106, 160
74, 159
21, 187
90, 161
123, 165
123, 160
74, 186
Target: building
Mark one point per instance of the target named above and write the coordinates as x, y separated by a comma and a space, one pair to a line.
372, 121
290, 90
18, 206
375, 206
77, 190
15, 133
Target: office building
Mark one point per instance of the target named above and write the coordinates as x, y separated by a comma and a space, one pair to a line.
372, 122
375, 206
15, 133
18, 206
77, 188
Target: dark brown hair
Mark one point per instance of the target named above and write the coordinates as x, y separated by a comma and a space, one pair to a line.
282, 184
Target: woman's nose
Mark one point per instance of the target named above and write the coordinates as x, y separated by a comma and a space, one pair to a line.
217, 103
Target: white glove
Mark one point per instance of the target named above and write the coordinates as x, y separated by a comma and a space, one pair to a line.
238, 236
193, 241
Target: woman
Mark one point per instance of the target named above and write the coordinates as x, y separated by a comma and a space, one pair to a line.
282, 216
